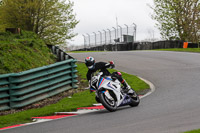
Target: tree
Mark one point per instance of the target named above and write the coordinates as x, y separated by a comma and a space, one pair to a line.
178, 19
52, 20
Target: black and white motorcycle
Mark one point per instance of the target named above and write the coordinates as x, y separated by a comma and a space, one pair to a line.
110, 94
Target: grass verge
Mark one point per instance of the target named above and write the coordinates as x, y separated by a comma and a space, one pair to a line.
81, 99
193, 131
66, 104
196, 50
83, 51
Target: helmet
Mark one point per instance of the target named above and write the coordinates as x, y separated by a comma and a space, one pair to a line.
89, 62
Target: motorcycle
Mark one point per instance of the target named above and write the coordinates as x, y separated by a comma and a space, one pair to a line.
110, 93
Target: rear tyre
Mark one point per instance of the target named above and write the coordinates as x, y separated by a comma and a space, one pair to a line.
135, 100
110, 105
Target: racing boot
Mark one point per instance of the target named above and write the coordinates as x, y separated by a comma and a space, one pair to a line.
127, 89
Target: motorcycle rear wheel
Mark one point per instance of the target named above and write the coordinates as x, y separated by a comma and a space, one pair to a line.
135, 100
107, 103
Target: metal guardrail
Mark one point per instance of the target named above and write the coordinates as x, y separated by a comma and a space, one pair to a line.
21, 89
61, 55
4, 92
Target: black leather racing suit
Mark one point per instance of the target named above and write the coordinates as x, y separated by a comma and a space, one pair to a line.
102, 67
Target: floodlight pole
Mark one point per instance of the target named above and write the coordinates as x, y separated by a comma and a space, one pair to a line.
89, 39
105, 36
120, 31
110, 34
95, 38
84, 42
115, 32
135, 28
127, 28
100, 37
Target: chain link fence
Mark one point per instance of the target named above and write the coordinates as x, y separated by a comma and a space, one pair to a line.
119, 34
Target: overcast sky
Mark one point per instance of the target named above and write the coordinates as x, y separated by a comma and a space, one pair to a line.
96, 15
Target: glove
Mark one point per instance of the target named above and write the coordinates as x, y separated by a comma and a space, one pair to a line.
112, 65
89, 83
91, 88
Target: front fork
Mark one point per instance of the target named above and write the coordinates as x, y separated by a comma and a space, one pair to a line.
106, 93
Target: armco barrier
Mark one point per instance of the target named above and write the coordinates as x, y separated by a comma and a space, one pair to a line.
4, 92
61, 55
21, 89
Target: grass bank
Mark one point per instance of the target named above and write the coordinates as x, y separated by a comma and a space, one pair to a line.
81, 99
23, 52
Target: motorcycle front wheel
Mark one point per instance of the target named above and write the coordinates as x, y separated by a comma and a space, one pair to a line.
109, 104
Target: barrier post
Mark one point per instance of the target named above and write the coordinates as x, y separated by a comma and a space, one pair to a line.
185, 45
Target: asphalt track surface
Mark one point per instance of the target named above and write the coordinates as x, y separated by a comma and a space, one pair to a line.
174, 107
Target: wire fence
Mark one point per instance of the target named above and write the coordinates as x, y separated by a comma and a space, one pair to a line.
140, 46
119, 34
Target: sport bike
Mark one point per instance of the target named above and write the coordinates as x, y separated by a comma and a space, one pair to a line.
110, 93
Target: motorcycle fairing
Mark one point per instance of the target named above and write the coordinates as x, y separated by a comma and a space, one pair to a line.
107, 84
126, 100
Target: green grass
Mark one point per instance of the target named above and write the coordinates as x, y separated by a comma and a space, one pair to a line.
81, 99
193, 131
83, 51
23, 52
196, 50
135, 83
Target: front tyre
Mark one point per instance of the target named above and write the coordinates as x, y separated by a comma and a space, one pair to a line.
97, 99
110, 105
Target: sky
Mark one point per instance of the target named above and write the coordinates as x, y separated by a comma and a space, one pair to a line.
96, 15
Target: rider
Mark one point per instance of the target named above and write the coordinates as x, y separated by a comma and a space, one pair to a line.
102, 66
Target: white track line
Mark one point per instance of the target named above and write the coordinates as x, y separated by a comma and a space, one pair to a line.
152, 87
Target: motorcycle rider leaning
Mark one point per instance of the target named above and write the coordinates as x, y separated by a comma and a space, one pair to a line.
102, 67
